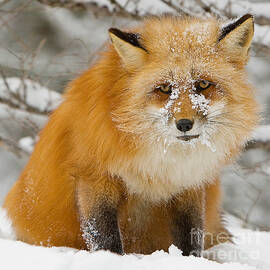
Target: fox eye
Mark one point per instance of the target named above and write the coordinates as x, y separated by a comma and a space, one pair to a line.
202, 85
164, 88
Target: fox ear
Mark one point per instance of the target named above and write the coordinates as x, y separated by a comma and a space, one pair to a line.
236, 38
128, 47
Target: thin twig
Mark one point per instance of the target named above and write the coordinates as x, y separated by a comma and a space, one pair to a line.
13, 147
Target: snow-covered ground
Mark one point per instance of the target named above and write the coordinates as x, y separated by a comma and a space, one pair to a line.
251, 251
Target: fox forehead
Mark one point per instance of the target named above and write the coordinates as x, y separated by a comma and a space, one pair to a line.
178, 36
182, 48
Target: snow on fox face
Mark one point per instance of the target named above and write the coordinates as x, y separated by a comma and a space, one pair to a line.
187, 86
181, 109
185, 110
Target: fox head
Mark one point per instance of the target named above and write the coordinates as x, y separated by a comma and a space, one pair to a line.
183, 81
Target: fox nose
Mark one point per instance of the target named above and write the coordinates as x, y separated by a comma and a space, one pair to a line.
184, 125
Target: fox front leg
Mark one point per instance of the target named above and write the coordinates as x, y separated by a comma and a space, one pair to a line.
97, 202
187, 222
100, 230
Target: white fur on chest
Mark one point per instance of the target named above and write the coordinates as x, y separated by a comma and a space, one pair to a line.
158, 175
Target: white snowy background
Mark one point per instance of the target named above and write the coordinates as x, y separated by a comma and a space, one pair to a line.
43, 47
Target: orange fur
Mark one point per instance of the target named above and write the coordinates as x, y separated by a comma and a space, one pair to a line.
104, 142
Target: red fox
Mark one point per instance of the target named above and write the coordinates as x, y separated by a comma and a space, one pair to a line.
130, 161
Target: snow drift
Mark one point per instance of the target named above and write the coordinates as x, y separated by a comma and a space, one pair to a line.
250, 252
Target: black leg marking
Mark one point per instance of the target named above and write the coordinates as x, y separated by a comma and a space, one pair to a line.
101, 231
187, 231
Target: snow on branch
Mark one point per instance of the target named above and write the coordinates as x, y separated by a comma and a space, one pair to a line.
225, 9
260, 138
13, 147
138, 8
27, 95
236, 8
28, 104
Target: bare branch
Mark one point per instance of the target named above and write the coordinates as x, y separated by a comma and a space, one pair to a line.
203, 8
179, 9
93, 7
250, 224
247, 219
253, 144
26, 108
20, 104
13, 147
113, 6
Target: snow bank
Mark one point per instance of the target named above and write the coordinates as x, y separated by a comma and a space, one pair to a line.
31, 257
19, 255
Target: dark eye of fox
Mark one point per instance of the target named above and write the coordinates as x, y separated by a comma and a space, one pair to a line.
164, 88
202, 85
